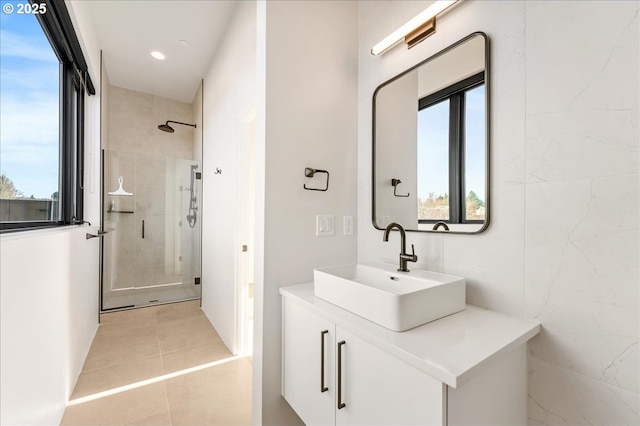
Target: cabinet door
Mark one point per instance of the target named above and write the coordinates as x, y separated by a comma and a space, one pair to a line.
379, 389
309, 392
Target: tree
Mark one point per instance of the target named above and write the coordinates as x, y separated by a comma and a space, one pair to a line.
8, 189
54, 196
473, 198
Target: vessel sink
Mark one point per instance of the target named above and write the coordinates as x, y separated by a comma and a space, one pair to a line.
396, 300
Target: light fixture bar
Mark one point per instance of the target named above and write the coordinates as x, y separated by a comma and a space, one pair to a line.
416, 22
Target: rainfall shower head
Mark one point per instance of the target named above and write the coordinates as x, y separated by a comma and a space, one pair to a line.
166, 128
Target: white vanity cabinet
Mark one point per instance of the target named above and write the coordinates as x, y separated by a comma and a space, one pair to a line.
372, 388
468, 368
308, 355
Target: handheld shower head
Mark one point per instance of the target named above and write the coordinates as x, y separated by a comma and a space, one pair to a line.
166, 128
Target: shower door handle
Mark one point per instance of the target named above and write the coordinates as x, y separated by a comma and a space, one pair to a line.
143, 229
88, 236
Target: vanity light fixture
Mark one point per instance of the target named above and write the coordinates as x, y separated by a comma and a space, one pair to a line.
158, 55
417, 29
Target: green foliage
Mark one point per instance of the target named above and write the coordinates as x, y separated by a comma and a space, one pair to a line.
473, 198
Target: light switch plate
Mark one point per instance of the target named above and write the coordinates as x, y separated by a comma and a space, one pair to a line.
324, 225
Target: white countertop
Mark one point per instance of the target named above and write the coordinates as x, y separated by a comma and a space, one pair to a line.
451, 349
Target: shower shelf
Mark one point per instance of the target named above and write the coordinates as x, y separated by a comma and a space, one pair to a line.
121, 211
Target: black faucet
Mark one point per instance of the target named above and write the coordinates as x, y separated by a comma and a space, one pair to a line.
439, 224
404, 257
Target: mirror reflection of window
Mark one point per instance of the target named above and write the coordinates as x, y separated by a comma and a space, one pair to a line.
433, 162
451, 153
475, 206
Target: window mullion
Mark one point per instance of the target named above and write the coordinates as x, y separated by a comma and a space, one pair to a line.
79, 143
461, 159
67, 149
455, 131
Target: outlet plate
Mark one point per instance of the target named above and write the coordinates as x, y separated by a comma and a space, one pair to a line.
347, 225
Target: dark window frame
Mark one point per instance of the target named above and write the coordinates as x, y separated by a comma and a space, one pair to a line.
74, 83
456, 96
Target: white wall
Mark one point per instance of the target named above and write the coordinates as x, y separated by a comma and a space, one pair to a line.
563, 244
49, 309
49, 295
229, 93
307, 111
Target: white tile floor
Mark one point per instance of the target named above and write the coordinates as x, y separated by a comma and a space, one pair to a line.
161, 365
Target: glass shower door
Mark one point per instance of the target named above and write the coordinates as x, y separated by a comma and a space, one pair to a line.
152, 253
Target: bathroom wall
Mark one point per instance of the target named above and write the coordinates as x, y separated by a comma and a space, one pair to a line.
229, 94
133, 124
306, 117
563, 244
49, 297
582, 212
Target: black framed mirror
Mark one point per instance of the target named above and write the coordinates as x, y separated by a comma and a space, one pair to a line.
430, 166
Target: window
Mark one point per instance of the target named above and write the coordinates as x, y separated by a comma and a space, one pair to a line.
43, 78
451, 131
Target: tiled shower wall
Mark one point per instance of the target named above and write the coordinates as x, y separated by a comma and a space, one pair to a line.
133, 124
563, 244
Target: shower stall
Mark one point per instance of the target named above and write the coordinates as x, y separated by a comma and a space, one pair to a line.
152, 215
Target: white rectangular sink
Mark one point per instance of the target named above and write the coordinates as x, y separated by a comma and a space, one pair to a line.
395, 300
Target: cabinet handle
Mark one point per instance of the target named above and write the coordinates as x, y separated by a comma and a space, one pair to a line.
340, 403
323, 388
143, 229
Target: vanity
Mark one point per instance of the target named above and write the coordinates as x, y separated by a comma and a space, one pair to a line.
339, 368
379, 344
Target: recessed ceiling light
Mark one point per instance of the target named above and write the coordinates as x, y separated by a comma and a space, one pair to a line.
158, 55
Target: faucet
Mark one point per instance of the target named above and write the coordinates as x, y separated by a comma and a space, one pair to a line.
439, 224
404, 256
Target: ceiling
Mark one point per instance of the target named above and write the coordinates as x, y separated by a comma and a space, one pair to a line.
128, 31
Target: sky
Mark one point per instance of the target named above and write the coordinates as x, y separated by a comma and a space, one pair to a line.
29, 110
433, 147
